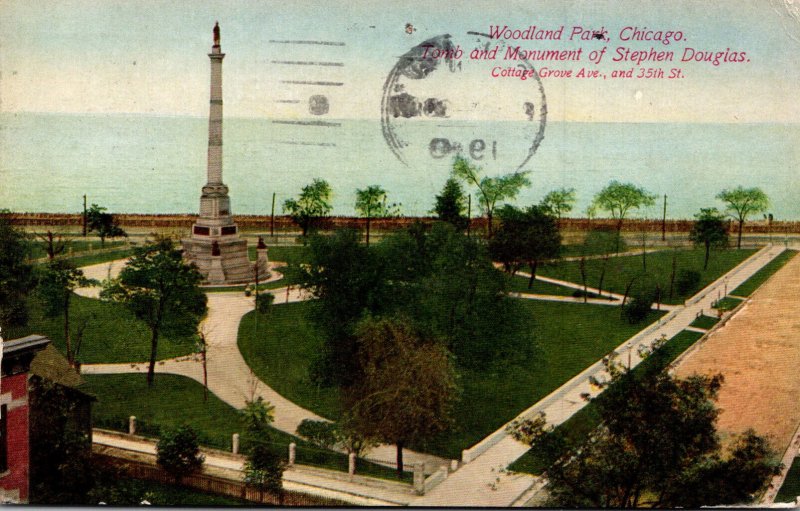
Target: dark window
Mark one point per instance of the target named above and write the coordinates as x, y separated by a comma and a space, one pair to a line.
229, 230
203, 231
3, 438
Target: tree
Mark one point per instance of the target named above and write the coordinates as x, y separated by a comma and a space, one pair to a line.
264, 466
709, 230
619, 198
103, 223
658, 447
371, 202
348, 280
408, 387
162, 290
56, 286
311, 205
16, 275
491, 190
178, 452
528, 237
741, 203
559, 201
53, 244
450, 205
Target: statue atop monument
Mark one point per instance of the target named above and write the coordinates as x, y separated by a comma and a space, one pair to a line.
216, 33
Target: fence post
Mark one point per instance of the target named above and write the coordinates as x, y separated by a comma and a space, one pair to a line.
132, 425
351, 464
235, 443
419, 478
292, 453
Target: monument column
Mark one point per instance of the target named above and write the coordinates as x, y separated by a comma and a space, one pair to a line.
215, 247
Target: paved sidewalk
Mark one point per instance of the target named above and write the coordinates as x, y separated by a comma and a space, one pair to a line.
481, 482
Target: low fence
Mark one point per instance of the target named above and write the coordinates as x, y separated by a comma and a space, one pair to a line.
214, 484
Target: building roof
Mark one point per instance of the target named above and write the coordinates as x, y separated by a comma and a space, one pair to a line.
31, 342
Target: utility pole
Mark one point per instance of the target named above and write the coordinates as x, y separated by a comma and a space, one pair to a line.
84, 215
664, 221
272, 218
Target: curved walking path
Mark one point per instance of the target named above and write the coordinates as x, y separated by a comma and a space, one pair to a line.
229, 376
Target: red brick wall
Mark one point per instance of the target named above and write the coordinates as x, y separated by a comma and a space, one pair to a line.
17, 427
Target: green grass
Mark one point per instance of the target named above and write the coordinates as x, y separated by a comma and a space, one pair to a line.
791, 485
90, 259
519, 284
77, 245
577, 428
174, 400
750, 285
621, 270
705, 322
570, 337
727, 303
288, 254
112, 335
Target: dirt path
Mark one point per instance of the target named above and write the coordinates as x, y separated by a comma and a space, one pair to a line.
758, 352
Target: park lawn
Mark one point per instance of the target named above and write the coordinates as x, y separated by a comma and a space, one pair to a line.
727, 303
292, 254
621, 270
750, 285
519, 284
790, 489
577, 428
113, 334
102, 257
78, 246
174, 400
704, 322
570, 337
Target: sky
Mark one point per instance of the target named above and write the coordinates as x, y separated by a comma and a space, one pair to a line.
150, 57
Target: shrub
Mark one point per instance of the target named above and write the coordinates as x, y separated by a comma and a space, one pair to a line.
687, 281
264, 302
320, 433
178, 451
638, 307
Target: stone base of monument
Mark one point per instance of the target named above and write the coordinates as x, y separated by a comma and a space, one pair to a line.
230, 266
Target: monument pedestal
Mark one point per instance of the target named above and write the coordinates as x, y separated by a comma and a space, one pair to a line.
231, 266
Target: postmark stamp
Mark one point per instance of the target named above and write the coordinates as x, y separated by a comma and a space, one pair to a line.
439, 95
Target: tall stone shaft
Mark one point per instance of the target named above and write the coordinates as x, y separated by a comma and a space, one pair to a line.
215, 116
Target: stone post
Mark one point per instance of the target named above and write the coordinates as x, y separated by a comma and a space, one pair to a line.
351, 464
453, 465
132, 425
419, 478
235, 443
292, 453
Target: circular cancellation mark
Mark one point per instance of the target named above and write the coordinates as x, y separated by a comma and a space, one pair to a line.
448, 97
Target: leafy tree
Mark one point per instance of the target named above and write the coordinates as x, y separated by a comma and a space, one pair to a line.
640, 303
162, 290
450, 205
658, 446
743, 202
491, 190
264, 466
329, 435
16, 275
709, 230
103, 223
525, 237
408, 387
178, 452
310, 206
348, 279
619, 198
559, 201
56, 286
371, 202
